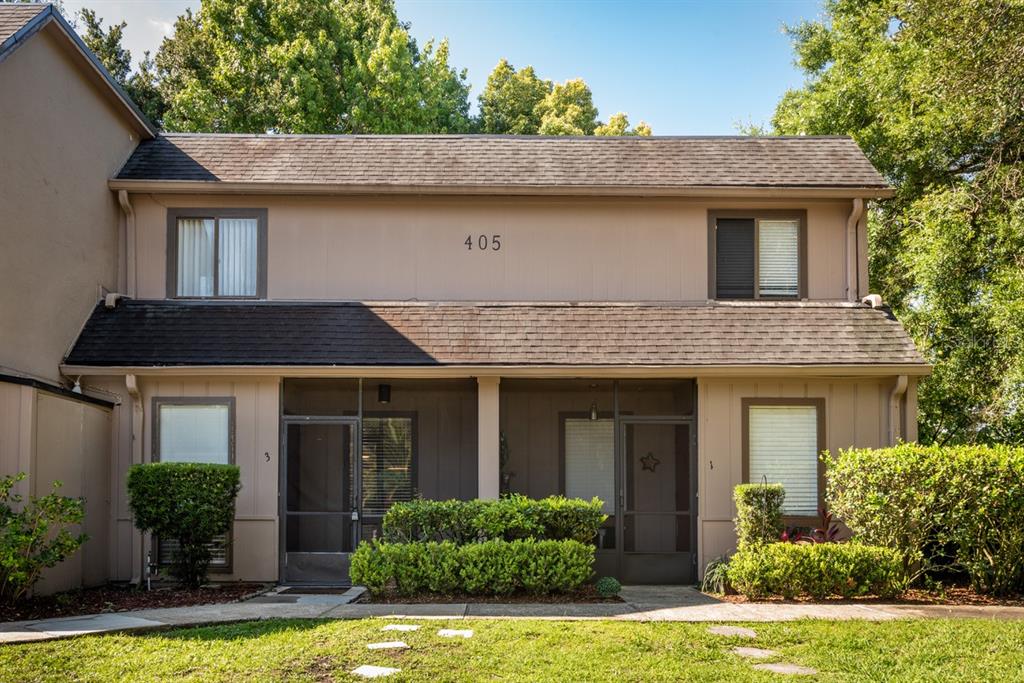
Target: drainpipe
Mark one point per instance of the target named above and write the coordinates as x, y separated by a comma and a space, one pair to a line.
129, 217
138, 415
851, 248
894, 408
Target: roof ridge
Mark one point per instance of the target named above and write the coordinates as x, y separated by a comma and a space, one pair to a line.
495, 136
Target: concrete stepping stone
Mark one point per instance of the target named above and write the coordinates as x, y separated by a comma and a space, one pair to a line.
733, 631
401, 627
754, 652
455, 633
370, 671
390, 645
787, 669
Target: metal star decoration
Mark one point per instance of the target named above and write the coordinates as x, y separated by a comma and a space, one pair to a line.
649, 462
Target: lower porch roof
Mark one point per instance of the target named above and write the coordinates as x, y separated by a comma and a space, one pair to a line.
162, 333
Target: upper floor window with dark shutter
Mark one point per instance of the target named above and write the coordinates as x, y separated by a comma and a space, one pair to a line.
216, 253
757, 256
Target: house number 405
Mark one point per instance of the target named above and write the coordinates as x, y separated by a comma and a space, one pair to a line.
483, 242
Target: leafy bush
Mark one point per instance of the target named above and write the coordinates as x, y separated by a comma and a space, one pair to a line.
35, 537
495, 567
716, 576
192, 503
915, 499
819, 570
758, 513
511, 518
608, 586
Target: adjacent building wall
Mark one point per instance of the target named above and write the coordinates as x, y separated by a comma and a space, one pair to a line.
597, 249
856, 414
61, 141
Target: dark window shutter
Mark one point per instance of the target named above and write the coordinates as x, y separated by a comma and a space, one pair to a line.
734, 258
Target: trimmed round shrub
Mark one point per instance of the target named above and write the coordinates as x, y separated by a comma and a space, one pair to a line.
758, 513
819, 570
608, 586
192, 503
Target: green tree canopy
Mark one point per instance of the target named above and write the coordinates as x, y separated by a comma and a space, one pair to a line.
933, 90
568, 110
618, 124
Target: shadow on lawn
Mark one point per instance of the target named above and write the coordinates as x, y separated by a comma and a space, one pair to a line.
236, 630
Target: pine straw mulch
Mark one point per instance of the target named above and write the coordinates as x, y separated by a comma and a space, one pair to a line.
954, 596
115, 598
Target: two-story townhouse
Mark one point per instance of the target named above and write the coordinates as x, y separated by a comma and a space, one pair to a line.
65, 128
357, 320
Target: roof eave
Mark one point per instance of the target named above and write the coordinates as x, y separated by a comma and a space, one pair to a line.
218, 187
535, 371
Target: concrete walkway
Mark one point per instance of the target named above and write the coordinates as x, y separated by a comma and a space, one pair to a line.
640, 603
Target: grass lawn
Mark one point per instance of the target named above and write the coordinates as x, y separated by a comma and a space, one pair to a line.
303, 650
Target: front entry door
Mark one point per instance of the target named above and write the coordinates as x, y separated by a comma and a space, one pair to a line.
320, 506
657, 497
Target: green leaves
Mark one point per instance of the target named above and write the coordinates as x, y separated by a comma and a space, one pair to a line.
192, 503
34, 536
758, 513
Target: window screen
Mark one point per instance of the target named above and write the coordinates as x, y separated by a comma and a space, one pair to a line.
783, 449
734, 258
590, 460
778, 258
227, 247
387, 463
195, 433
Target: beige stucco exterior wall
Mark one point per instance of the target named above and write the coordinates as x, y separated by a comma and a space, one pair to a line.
61, 140
580, 249
856, 415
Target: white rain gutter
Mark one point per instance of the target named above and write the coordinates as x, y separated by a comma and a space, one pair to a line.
894, 408
137, 422
131, 279
851, 248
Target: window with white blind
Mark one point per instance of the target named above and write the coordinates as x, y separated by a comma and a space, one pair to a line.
783, 445
217, 254
193, 430
756, 257
590, 460
388, 463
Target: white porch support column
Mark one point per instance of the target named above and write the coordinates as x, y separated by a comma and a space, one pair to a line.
488, 439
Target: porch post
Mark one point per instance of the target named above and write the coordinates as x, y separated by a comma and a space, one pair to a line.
488, 439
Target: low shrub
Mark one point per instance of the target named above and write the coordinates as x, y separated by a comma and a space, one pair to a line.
192, 503
819, 570
607, 586
34, 537
716, 576
511, 518
758, 513
495, 567
917, 499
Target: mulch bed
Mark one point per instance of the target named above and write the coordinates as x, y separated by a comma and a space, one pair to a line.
123, 599
586, 594
953, 596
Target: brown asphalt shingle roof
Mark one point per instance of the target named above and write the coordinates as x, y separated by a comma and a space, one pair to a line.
15, 15
475, 161
152, 333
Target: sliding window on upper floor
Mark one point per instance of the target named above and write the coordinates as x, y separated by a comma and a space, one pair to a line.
217, 253
757, 254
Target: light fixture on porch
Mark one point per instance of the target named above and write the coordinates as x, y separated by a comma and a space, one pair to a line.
593, 411
383, 393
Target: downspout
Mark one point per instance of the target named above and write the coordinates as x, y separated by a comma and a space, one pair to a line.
851, 248
138, 421
894, 409
129, 215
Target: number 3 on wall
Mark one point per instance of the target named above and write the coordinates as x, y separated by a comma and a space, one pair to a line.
482, 242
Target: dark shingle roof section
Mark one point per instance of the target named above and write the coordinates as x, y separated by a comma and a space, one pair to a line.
156, 333
13, 16
469, 161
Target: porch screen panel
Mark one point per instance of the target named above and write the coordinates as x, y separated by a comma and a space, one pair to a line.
387, 463
237, 261
784, 450
734, 258
195, 256
778, 258
590, 461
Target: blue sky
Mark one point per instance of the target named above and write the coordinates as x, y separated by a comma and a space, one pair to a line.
687, 68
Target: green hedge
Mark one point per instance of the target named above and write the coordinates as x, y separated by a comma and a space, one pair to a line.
512, 518
493, 567
917, 499
192, 503
820, 570
758, 513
